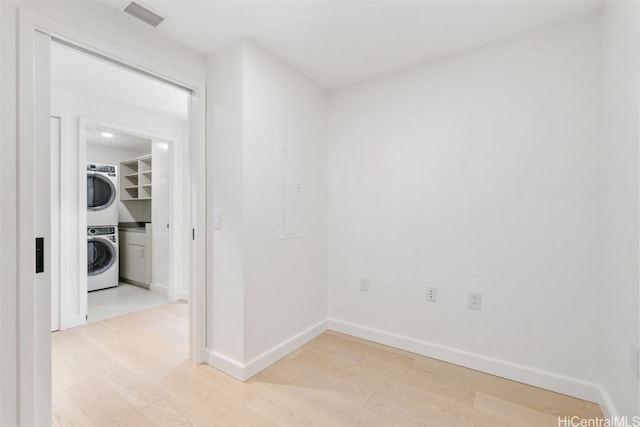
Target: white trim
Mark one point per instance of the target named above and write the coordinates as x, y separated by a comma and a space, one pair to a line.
226, 364
109, 51
197, 199
34, 348
72, 322
55, 223
502, 368
81, 220
3, 264
279, 351
244, 371
88, 121
163, 289
606, 404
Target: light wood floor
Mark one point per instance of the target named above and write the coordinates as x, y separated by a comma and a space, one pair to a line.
133, 370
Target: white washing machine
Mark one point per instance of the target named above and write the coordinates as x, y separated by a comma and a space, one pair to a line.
102, 257
102, 194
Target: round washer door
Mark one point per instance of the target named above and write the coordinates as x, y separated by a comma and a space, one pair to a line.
101, 254
101, 193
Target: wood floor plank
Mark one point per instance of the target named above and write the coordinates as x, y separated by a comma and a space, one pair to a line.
533, 397
204, 398
419, 404
408, 413
170, 411
66, 412
294, 406
327, 373
222, 383
378, 352
103, 406
133, 370
522, 415
68, 367
92, 358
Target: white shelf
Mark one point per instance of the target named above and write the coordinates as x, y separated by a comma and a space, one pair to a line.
135, 181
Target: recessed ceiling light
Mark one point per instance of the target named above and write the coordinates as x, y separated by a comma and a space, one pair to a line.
107, 134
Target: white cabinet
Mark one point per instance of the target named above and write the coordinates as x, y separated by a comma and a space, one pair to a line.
136, 178
135, 256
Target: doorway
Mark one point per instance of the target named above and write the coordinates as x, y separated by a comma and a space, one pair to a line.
34, 157
144, 257
122, 154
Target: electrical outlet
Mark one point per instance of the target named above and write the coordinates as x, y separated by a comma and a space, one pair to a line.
364, 284
475, 301
431, 294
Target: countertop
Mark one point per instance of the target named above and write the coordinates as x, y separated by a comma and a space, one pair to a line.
137, 227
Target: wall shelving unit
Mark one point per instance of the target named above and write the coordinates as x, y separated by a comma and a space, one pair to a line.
136, 179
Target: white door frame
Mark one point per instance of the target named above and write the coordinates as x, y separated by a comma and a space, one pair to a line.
56, 137
34, 346
34, 349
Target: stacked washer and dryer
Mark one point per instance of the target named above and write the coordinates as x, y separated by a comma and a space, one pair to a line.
102, 226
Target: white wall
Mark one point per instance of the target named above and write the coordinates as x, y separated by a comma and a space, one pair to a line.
621, 136
98, 153
127, 212
8, 175
285, 279
476, 173
268, 294
225, 247
161, 241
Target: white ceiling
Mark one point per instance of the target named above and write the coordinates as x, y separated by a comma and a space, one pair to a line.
84, 74
340, 42
120, 141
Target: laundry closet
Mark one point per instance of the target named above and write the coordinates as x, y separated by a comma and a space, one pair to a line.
127, 226
120, 209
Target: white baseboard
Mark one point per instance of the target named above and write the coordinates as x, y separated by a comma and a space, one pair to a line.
72, 322
163, 289
276, 353
502, 368
244, 371
225, 364
608, 409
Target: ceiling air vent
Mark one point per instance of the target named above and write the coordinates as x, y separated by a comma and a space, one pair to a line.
143, 14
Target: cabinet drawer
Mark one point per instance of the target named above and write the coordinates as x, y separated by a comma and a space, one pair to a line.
133, 238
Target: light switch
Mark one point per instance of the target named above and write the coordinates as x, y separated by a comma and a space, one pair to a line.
217, 219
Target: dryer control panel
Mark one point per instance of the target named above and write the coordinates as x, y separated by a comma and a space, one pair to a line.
94, 167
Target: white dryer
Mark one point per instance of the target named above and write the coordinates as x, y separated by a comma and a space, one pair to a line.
102, 194
102, 257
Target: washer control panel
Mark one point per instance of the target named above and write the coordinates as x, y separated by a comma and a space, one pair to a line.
100, 231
